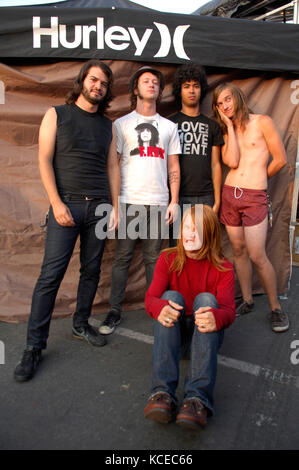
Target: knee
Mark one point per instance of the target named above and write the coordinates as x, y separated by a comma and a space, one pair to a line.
50, 276
122, 258
91, 272
174, 296
239, 249
205, 299
151, 252
150, 258
258, 258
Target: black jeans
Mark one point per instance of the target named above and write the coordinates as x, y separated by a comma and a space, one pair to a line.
60, 243
125, 247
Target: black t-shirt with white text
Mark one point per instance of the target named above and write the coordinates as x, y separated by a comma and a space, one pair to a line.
197, 136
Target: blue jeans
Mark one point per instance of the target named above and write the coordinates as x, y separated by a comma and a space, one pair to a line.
124, 252
202, 373
60, 243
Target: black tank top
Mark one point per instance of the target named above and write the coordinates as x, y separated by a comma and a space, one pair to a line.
82, 144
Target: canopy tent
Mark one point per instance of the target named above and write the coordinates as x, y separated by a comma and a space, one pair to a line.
42, 50
83, 33
127, 4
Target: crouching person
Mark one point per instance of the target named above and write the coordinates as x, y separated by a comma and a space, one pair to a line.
192, 289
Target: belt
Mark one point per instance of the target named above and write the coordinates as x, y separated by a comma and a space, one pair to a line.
78, 197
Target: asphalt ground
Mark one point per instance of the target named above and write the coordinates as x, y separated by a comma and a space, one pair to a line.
86, 398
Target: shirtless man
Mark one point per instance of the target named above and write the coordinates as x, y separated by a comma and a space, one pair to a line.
249, 139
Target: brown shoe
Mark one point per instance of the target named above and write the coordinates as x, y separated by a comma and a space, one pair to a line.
160, 407
192, 414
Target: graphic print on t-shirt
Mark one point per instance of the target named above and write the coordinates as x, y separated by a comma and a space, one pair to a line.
198, 135
147, 140
194, 138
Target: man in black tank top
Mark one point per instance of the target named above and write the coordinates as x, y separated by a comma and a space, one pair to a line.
79, 170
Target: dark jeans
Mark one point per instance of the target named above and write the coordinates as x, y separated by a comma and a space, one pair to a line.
201, 377
190, 200
60, 243
124, 252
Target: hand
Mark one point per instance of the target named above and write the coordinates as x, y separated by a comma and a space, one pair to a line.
171, 213
62, 214
227, 121
216, 208
169, 314
113, 219
205, 320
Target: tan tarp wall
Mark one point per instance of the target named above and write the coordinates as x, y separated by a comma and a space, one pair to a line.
26, 92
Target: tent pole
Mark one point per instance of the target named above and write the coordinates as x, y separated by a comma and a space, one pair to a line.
293, 221
296, 12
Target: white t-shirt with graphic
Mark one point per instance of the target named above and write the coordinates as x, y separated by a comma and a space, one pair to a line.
145, 142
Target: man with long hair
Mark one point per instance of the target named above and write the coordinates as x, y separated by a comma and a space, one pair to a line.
147, 166
79, 170
248, 140
200, 137
148, 136
193, 283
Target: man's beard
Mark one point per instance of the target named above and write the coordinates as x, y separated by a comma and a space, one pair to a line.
91, 99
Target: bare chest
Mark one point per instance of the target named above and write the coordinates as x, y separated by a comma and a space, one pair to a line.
252, 145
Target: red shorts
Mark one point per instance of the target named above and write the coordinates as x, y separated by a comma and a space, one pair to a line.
242, 206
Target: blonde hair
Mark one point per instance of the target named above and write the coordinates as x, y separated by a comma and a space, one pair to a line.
241, 109
209, 226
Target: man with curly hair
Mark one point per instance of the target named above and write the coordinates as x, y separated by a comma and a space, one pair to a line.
200, 139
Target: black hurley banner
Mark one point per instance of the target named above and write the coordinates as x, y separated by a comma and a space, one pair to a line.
121, 34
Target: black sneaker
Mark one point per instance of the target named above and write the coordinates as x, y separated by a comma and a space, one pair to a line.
110, 323
26, 369
279, 321
242, 307
90, 335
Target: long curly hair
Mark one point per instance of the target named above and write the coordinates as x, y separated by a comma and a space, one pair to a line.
186, 73
73, 95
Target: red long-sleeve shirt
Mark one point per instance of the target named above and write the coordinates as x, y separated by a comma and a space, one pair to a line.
197, 276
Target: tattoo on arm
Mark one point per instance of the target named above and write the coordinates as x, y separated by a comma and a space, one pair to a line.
173, 177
